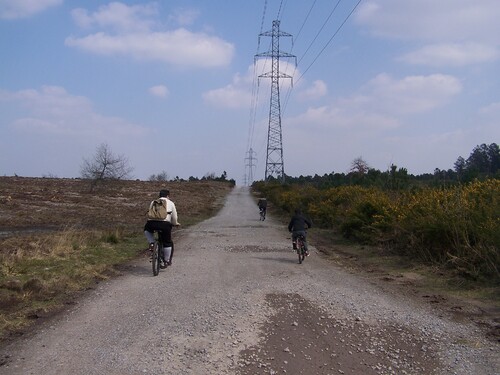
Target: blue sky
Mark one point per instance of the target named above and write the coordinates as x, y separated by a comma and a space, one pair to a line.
172, 85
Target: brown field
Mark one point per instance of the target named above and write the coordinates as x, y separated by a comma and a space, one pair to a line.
41, 204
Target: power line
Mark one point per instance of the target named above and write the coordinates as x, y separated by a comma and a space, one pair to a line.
310, 45
323, 49
289, 91
303, 23
320, 30
330, 40
262, 23
255, 94
282, 7
293, 44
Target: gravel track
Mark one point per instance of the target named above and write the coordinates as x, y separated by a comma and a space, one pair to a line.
236, 301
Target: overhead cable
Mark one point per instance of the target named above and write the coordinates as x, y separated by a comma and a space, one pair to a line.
330, 40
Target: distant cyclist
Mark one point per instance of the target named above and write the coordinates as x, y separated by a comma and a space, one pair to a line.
262, 207
298, 226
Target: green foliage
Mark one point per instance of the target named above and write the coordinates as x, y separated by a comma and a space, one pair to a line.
211, 177
482, 164
458, 226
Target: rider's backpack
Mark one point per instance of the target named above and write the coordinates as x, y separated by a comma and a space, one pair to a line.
158, 210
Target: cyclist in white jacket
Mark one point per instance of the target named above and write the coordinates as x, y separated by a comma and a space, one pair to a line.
165, 226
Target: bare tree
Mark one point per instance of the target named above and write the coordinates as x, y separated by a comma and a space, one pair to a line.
161, 177
359, 166
104, 165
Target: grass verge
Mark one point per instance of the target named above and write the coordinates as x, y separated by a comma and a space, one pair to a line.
428, 277
41, 274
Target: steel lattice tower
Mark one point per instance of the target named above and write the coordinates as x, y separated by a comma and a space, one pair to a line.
274, 159
250, 164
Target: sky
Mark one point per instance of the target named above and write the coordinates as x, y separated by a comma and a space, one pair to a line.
175, 86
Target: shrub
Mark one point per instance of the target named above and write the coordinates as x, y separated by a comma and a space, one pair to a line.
453, 225
458, 226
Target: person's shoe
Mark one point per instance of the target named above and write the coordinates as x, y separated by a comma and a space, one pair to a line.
307, 253
169, 263
163, 266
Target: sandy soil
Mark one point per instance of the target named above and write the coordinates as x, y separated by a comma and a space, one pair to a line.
236, 301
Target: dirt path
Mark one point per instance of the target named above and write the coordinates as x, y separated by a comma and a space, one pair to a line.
235, 301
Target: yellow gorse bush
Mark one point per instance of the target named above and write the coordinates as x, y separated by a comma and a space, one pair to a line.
459, 225
471, 210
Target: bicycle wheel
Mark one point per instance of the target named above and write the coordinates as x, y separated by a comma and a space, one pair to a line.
299, 250
155, 259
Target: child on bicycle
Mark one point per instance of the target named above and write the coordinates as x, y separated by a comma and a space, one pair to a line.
262, 203
298, 226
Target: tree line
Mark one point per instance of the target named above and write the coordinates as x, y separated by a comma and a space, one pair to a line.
482, 163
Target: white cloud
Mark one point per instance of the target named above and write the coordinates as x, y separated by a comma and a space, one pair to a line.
430, 20
180, 47
458, 32
229, 96
13, 9
377, 122
452, 54
382, 103
160, 91
343, 115
491, 109
184, 16
238, 94
412, 94
133, 31
118, 16
53, 111
317, 90
132, 34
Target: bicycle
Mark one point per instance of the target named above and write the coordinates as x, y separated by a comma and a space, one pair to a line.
301, 248
157, 256
262, 214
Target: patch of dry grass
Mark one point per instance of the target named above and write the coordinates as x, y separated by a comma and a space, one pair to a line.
39, 273
57, 239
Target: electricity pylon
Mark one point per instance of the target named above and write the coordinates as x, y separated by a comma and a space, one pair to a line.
274, 158
250, 164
